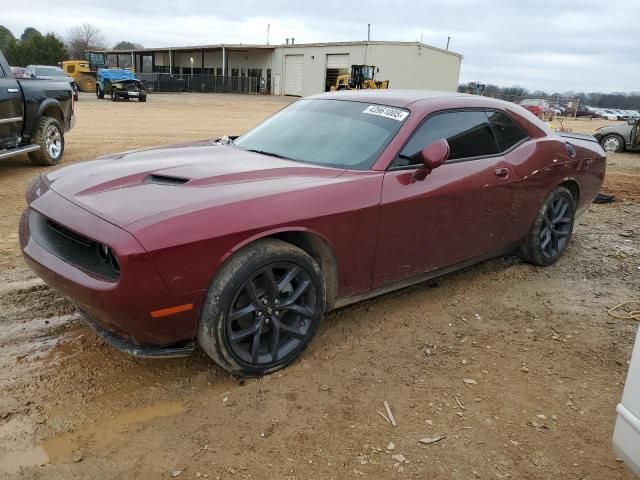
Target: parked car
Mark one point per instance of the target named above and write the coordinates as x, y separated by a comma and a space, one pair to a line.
609, 114
45, 72
621, 115
581, 111
626, 435
618, 138
34, 116
245, 243
18, 72
540, 108
632, 114
119, 83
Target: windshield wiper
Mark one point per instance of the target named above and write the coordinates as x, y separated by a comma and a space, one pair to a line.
271, 154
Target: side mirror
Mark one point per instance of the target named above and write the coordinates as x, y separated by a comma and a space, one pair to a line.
632, 120
433, 155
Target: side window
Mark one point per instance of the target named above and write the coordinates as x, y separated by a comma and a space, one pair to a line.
507, 132
468, 132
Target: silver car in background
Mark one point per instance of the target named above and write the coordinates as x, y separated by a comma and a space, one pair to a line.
618, 138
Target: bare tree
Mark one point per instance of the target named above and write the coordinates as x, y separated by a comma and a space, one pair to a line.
84, 37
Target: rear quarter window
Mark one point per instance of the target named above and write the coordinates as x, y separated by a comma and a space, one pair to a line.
508, 133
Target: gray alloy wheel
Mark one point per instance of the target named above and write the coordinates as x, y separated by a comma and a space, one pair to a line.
613, 143
551, 231
262, 309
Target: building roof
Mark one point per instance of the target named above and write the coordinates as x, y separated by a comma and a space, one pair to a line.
242, 46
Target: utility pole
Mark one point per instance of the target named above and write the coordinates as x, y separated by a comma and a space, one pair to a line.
268, 28
448, 39
368, 32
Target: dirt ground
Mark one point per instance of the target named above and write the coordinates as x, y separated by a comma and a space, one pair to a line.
520, 368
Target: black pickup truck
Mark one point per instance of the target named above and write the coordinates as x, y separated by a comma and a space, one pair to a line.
34, 116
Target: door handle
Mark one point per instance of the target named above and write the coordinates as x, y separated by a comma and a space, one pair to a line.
12, 90
502, 172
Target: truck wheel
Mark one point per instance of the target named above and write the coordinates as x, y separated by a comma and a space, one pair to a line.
99, 93
49, 135
87, 83
142, 99
262, 309
114, 95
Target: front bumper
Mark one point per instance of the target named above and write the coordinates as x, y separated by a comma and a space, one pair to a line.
128, 94
120, 306
131, 348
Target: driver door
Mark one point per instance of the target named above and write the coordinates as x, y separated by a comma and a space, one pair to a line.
11, 110
457, 213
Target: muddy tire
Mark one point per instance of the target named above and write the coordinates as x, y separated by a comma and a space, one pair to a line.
49, 135
262, 308
114, 95
551, 231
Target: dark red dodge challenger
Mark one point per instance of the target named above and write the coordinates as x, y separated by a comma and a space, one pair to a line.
244, 243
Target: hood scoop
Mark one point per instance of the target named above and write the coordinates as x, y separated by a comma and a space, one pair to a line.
165, 180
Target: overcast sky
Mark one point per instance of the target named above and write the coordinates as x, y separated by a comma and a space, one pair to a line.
558, 45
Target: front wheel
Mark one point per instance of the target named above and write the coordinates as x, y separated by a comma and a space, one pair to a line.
49, 135
262, 309
114, 95
613, 143
551, 231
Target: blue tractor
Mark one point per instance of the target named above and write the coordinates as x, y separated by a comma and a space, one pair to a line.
118, 84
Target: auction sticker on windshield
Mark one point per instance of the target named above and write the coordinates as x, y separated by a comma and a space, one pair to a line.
388, 112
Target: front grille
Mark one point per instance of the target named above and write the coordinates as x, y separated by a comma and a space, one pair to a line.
74, 248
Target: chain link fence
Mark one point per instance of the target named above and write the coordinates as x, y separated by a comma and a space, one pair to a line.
167, 82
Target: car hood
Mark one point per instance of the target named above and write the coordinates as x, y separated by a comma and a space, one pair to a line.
133, 186
624, 130
63, 78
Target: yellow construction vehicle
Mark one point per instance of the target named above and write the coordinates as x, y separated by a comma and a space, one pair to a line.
362, 76
84, 71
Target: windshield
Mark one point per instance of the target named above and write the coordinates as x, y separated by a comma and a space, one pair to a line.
334, 133
49, 72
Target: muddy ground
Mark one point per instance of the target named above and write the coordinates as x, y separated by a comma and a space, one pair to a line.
547, 363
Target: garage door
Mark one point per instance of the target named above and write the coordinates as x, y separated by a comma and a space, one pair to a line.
293, 69
338, 61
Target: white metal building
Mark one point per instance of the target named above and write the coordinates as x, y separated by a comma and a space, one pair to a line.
303, 69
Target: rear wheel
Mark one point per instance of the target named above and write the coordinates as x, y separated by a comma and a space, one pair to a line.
262, 309
613, 143
99, 93
87, 83
551, 231
49, 135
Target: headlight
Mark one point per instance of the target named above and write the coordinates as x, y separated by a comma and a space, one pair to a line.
36, 188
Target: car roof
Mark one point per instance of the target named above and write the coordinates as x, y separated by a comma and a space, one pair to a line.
392, 97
